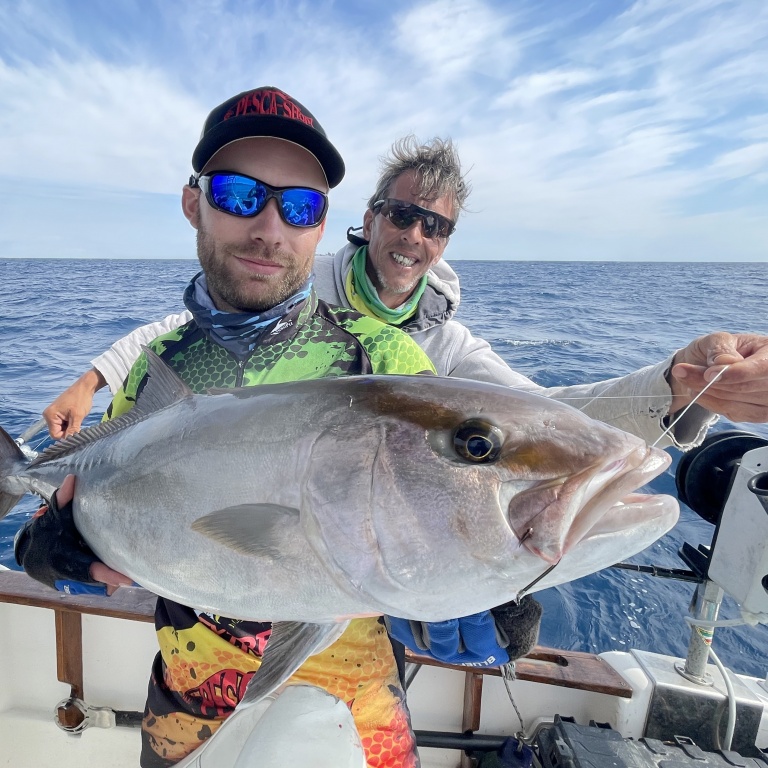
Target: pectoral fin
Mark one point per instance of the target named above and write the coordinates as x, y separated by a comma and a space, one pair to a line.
252, 529
290, 645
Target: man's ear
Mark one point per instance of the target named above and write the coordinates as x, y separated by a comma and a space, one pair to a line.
190, 205
367, 224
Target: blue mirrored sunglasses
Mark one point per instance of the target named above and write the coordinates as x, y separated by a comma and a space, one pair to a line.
244, 196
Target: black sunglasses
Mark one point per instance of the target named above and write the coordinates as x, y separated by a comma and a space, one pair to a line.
244, 196
403, 214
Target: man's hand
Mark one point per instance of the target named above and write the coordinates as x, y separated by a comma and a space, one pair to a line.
741, 393
65, 414
50, 549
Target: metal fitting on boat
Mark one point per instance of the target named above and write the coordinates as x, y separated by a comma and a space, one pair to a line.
23, 439
73, 715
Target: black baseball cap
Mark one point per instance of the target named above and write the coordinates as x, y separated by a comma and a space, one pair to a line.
267, 111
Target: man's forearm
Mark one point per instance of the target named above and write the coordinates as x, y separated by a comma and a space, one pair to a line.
91, 381
66, 413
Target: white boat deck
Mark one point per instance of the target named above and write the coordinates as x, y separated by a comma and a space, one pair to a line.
117, 655
30, 739
116, 660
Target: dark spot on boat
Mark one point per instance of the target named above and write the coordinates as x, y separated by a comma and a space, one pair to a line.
190, 646
205, 732
192, 673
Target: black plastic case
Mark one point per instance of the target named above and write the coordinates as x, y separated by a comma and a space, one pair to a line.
568, 745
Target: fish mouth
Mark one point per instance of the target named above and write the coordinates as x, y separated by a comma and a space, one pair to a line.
552, 517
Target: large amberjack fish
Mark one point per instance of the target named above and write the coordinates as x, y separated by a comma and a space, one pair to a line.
312, 502
302, 726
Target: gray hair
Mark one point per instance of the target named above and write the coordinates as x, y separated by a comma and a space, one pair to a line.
437, 167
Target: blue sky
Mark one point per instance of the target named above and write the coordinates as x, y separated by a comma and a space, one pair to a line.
605, 130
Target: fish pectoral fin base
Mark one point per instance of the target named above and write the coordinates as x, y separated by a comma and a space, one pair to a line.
251, 529
290, 645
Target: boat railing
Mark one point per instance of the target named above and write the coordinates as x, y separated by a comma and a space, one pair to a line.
569, 669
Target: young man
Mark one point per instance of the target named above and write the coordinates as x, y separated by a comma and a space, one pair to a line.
258, 201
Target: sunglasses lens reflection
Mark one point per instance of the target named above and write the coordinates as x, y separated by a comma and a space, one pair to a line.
244, 196
302, 207
403, 215
238, 194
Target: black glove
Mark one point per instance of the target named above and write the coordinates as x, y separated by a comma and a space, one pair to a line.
50, 549
520, 623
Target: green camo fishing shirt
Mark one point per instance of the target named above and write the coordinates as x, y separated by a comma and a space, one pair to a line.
316, 341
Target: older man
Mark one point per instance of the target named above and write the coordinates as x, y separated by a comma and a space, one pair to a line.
395, 272
258, 201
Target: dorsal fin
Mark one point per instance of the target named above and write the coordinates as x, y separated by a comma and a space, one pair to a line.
162, 388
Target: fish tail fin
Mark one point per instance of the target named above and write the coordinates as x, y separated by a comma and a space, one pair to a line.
9, 454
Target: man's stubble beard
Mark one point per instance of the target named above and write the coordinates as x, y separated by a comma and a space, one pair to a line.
273, 290
398, 290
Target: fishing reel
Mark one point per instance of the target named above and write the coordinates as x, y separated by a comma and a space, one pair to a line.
705, 474
725, 481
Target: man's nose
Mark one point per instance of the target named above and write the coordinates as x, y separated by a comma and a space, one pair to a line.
414, 233
268, 225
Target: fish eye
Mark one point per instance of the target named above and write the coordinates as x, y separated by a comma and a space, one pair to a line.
477, 441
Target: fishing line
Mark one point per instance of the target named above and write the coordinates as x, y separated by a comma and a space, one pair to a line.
612, 397
685, 410
715, 624
39, 442
747, 618
596, 397
508, 676
631, 397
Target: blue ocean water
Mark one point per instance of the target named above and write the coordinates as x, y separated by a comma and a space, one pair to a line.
558, 323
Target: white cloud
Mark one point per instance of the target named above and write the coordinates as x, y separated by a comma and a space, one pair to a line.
447, 39
747, 161
87, 122
529, 89
573, 128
